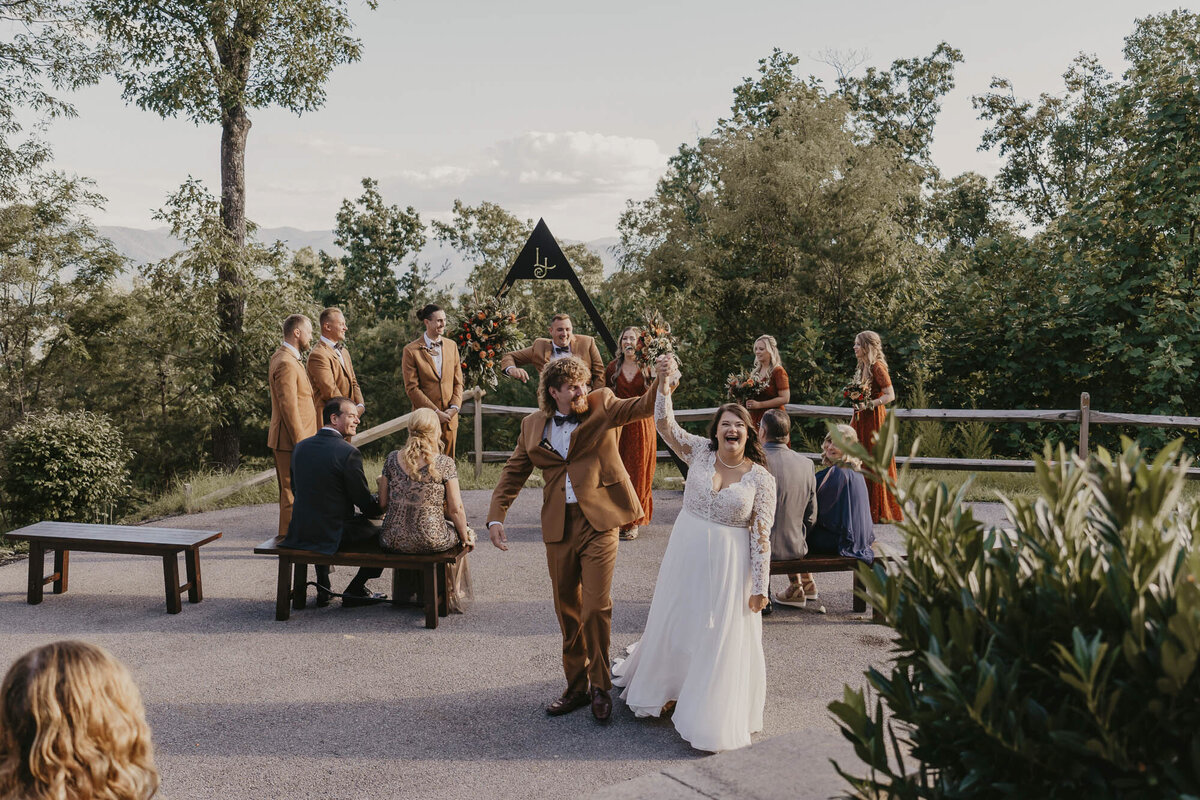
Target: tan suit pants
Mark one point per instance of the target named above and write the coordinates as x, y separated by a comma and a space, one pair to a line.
581, 569
283, 472
449, 435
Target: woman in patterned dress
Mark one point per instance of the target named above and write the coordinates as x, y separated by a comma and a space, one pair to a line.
769, 367
423, 505
872, 375
637, 442
701, 655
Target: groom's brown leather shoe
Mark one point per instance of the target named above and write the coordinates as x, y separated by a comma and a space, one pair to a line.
601, 704
567, 703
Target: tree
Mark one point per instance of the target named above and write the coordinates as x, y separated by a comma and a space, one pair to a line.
213, 61
376, 239
45, 50
1057, 153
51, 262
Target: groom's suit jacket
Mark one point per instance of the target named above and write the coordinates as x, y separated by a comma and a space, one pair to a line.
426, 389
602, 486
331, 377
538, 355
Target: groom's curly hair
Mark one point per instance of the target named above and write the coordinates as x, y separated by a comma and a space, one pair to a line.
557, 373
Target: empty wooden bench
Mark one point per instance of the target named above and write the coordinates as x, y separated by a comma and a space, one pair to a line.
292, 587
825, 563
63, 537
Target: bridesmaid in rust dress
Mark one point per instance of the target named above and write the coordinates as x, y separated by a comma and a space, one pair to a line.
638, 442
768, 365
872, 374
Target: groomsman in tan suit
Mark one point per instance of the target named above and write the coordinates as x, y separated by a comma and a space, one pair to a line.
292, 414
572, 438
329, 367
562, 343
433, 374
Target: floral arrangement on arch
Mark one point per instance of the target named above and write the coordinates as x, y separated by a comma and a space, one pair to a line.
745, 385
488, 331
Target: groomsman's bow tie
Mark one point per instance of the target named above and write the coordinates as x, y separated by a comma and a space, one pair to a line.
560, 419
432, 347
562, 351
339, 345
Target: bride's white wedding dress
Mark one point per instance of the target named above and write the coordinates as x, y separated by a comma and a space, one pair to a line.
702, 646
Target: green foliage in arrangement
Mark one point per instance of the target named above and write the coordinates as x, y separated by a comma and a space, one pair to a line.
1054, 659
72, 467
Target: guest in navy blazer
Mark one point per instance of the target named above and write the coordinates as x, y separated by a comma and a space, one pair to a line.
329, 483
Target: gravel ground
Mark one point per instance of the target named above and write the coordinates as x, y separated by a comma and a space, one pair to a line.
366, 703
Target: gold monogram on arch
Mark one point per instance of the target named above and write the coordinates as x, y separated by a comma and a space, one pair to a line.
540, 266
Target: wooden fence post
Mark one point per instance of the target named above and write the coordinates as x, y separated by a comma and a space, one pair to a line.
1085, 413
187, 498
478, 391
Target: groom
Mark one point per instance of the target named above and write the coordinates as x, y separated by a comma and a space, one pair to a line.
572, 438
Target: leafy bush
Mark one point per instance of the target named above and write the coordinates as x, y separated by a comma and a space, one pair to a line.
64, 467
1057, 659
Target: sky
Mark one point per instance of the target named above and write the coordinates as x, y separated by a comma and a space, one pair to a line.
563, 110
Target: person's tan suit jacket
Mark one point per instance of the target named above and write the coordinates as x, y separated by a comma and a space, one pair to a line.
426, 390
292, 417
330, 378
538, 355
602, 486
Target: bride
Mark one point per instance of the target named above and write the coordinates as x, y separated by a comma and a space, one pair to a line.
701, 654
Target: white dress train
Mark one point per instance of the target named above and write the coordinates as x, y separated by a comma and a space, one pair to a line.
702, 646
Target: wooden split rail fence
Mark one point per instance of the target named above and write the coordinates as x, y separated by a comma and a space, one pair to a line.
1083, 416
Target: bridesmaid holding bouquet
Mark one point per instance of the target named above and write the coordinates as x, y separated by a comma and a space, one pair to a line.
637, 439
869, 414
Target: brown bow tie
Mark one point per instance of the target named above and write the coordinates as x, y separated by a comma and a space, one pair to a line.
339, 346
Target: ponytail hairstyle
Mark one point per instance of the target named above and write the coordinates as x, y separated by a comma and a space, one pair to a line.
424, 443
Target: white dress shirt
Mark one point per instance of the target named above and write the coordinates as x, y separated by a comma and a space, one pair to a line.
292, 347
560, 439
337, 351
435, 350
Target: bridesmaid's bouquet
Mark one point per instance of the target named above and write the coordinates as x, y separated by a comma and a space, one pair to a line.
745, 385
855, 392
488, 331
656, 341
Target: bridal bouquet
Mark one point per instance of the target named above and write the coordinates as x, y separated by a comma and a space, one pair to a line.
655, 341
487, 332
745, 385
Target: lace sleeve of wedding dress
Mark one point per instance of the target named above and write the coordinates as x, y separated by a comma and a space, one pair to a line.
760, 531
679, 440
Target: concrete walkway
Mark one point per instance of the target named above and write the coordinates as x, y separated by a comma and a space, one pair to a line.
367, 703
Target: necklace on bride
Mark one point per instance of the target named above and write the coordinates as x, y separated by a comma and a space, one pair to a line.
731, 466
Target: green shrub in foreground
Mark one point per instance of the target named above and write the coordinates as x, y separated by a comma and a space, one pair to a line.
70, 467
1054, 660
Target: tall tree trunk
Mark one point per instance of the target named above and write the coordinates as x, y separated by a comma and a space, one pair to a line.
231, 306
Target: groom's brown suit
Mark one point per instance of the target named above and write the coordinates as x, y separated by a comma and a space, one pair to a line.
581, 539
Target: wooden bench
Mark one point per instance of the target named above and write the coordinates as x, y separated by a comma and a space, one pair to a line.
825, 563
292, 587
63, 537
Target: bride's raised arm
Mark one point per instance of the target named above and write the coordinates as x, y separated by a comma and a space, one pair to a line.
683, 443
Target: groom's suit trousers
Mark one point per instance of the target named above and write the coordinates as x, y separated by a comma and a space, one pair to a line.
581, 570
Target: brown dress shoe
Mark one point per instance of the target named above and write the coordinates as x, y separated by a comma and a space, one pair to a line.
567, 703
601, 704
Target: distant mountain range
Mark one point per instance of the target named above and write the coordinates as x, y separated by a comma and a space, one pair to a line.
146, 246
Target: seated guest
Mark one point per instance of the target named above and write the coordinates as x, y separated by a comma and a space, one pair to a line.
328, 480
423, 505
72, 725
844, 524
795, 503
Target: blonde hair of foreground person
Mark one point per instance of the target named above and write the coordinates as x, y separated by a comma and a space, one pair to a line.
423, 445
72, 727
